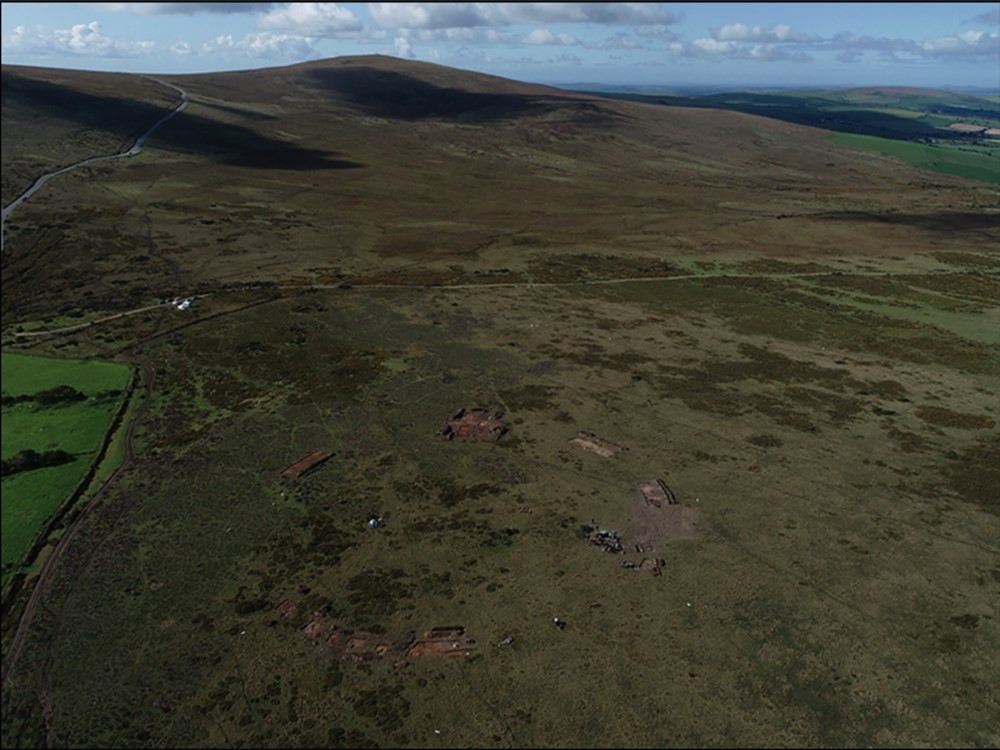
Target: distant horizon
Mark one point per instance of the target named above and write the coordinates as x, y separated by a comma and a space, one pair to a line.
797, 87
596, 86
736, 45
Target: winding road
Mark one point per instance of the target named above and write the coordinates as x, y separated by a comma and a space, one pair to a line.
136, 148
27, 616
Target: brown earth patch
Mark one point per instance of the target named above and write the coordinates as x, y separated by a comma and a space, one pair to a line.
361, 646
975, 475
305, 464
449, 642
942, 417
474, 424
650, 524
909, 442
765, 441
316, 626
288, 610
590, 442
967, 127
654, 492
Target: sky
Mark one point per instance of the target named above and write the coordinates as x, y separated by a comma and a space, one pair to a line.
944, 45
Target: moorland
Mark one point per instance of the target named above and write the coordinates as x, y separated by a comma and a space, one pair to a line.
942, 131
798, 337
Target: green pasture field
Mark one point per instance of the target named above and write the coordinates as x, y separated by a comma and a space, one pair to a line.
24, 374
973, 166
30, 497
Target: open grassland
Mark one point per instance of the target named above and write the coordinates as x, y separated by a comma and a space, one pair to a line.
975, 164
25, 375
798, 339
910, 124
843, 571
31, 497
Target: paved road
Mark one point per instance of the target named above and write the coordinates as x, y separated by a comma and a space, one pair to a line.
136, 148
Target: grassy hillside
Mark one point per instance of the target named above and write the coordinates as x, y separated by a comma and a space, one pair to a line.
285, 174
53, 118
798, 338
906, 115
969, 162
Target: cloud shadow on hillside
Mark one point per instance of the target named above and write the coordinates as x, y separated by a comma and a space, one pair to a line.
941, 221
187, 133
818, 112
383, 93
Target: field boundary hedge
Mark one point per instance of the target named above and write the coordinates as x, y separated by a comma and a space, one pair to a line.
64, 515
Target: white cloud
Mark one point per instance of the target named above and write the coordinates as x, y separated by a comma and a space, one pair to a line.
609, 13
263, 45
83, 39
181, 48
971, 46
989, 18
567, 59
404, 48
458, 34
185, 9
968, 44
428, 15
465, 15
656, 31
849, 41
709, 47
738, 32
850, 55
546, 37
515, 63
773, 53
713, 47
620, 40
311, 19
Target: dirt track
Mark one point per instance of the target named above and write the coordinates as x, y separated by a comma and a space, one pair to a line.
502, 285
46, 571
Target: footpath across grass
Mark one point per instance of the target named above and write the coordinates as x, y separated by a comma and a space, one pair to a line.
75, 425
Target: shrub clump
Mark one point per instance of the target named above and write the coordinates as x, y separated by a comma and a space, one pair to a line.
61, 394
28, 460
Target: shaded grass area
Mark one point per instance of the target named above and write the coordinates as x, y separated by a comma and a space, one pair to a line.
193, 133
386, 93
57, 118
30, 498
983, 166
896, 115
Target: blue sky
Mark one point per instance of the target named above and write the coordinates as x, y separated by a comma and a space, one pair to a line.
669, 44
